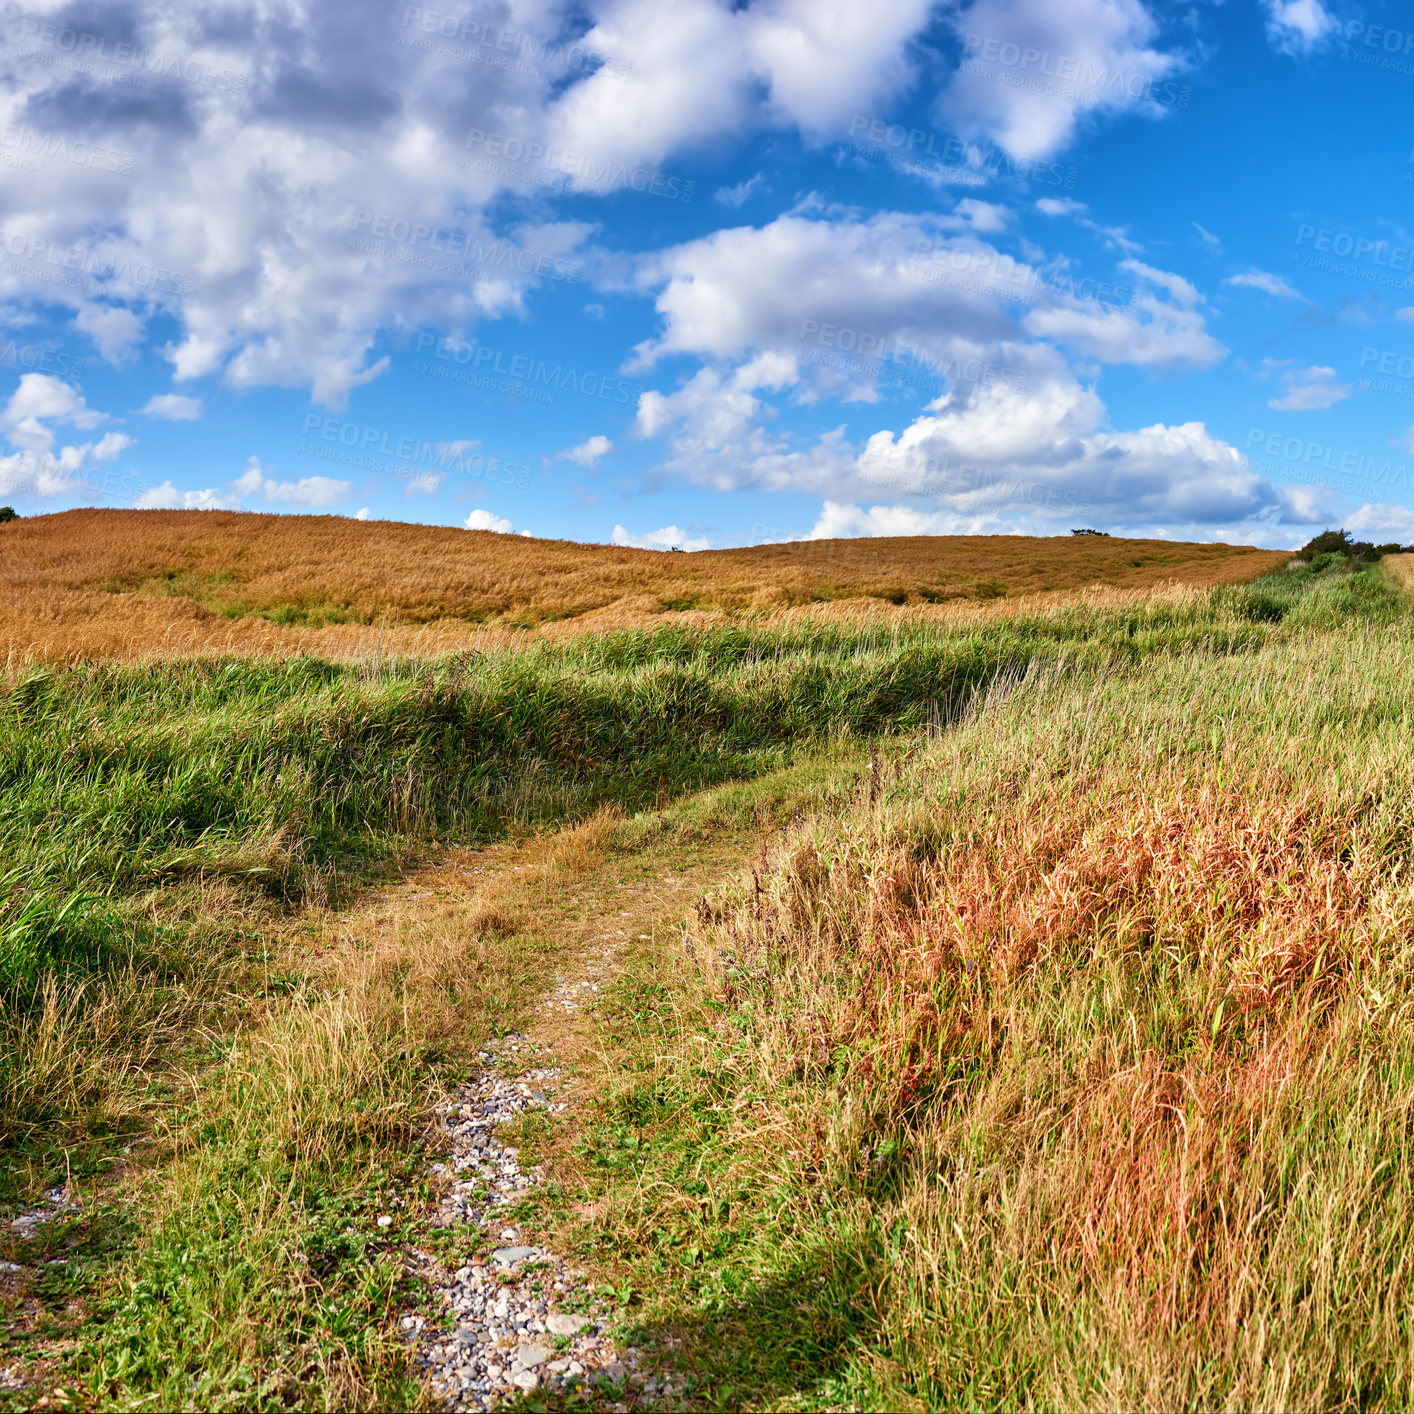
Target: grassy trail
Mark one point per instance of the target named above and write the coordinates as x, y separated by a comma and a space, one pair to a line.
236, 1261
246, 1041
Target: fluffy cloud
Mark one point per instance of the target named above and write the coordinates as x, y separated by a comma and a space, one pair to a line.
166, 497
1310, 390
668, 538
287, 175
839, 521
1298, 26
482, 519
716, 70
798, 283
1008, 428
1032, 69
171, 407
588, 452
39, 399
1381, 523
1150, 330
36, 467
310, 491
714, 426
246, 216
1046, 453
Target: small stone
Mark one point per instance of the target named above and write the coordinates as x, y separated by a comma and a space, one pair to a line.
562, 1323
529, 1356
385, 1222
525, 1379
509, 1256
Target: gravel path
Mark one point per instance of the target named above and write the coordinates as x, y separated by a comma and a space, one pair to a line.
524, 1319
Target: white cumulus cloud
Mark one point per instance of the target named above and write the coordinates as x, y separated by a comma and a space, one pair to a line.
588, 452
1033, 70
166, 497
1310, 390
482, 519
310, 491
1299, 26
668, 538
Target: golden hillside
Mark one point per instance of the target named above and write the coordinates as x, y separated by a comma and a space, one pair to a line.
97, 583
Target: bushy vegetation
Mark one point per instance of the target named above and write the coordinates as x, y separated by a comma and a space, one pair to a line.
1339, 542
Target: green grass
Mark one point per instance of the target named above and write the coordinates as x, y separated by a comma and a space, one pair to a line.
864, 1148
163, 827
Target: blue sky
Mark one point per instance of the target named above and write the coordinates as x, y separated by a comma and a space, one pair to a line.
712, 274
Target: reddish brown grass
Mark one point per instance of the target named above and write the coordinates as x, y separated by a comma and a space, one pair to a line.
102, 583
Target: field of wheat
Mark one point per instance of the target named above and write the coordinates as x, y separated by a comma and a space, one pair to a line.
103, 584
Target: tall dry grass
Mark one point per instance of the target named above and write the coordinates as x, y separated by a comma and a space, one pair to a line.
1064, 1063
99, 584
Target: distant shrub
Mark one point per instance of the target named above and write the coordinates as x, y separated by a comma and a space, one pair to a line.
8, 513
1337, 542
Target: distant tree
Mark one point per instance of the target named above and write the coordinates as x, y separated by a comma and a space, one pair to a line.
1105, 533
1326, 543
1338, 542
8, 513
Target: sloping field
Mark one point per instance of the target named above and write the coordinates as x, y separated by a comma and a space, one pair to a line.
110, 583
1005, 1010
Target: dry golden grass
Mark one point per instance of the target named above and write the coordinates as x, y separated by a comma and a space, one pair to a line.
1112, 984
1400, 568
105, 583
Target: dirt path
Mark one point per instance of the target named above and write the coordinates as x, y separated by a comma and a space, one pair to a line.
515, 1316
